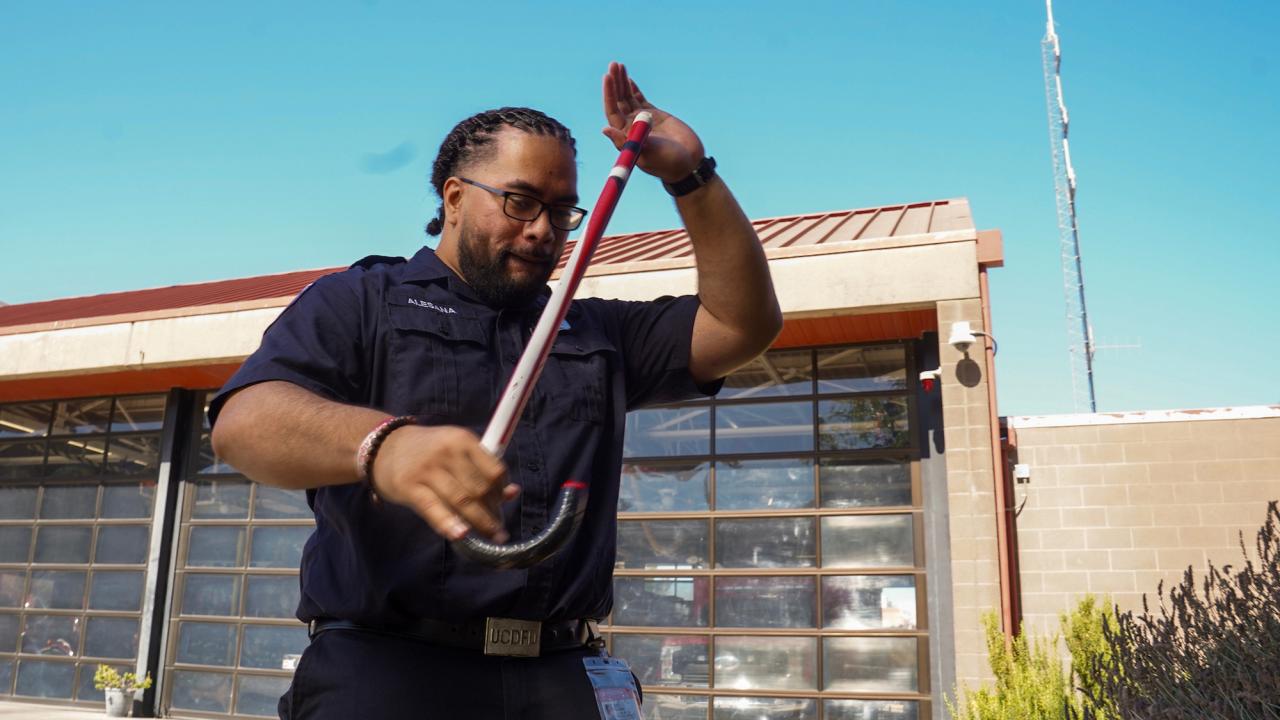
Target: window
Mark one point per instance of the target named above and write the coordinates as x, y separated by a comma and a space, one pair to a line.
768, 543
77, 493
234, 639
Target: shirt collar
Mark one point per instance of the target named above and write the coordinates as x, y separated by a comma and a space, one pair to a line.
426, 266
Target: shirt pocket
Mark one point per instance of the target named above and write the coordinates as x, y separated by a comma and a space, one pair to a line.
582, 365
438, 364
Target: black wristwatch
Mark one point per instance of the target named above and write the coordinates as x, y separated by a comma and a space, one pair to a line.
699, 177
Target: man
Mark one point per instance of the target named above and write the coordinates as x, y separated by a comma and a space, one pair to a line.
371, 389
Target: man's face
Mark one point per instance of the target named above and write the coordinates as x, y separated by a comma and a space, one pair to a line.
506, 261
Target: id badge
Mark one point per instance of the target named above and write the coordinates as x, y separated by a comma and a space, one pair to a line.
616, 692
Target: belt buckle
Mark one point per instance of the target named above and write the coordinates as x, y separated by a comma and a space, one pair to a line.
508, 636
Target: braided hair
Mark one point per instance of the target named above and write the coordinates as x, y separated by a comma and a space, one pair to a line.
474, 136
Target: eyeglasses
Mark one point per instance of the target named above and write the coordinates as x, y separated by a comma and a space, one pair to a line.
525, 208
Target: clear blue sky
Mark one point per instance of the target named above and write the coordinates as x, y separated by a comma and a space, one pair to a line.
147, 144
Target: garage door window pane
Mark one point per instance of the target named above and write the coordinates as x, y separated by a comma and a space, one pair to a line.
769, 543
870, 664
774, 374
75, 458
271, 597
221, 499
270, 502
110, 637
741, 708
278, 547
116, 590
681, 707
665, 487
771, 427
864, 483
259, 695
8, 637
665, 660
869, 602
134, 455
766, 663
81, 417
848, 483
24, 420
19, 461
863, 423
123, 544
663, 432
765, 602
15, 543
45, 679
51, 635
862, 369
13, 585
56, 589
216, 547
207, 692
138, 413
62, 502
868, 541
871, 710
210, 594
661, 602
206, 643
764, 484
265, 646
663, 544
63, 544
128, 500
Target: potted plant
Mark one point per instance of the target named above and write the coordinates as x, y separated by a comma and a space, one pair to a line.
120, 689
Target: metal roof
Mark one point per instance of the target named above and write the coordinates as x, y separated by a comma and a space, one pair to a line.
893, 221
612, 254
131, 302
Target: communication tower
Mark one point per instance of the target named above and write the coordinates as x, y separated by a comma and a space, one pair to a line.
1079, 333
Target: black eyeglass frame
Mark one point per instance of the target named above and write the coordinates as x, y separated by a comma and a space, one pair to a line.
506, 196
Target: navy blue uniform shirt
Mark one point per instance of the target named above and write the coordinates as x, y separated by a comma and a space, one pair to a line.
410, 338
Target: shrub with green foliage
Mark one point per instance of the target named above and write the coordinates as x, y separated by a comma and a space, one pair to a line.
1208, 654
1031, 681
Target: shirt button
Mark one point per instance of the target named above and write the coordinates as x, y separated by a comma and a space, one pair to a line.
532, 466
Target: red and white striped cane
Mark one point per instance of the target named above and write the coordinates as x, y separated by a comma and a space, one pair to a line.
571, 503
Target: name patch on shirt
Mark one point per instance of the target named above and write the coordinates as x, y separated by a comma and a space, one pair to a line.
432, 306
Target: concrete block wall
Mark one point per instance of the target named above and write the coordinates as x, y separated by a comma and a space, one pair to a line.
966, 419
1114, 509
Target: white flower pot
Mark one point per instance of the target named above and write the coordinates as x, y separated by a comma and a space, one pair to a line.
119, 702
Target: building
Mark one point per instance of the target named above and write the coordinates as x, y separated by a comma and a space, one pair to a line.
818, 541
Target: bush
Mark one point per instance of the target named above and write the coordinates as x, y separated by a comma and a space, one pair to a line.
1031, 681
1208, 654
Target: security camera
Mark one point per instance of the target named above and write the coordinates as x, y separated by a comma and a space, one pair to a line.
961, 336
930, 378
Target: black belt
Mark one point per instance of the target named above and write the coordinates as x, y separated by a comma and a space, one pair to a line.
493, 636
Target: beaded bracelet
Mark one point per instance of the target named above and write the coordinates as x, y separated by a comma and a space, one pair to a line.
368, 450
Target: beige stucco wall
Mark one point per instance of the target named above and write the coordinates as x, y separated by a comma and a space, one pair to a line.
861, 278
1115, 508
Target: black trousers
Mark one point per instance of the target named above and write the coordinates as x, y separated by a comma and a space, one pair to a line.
346, 674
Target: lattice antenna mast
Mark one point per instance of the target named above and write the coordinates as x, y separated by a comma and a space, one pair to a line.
1079, 333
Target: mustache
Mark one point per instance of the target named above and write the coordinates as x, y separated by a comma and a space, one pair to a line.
534, 256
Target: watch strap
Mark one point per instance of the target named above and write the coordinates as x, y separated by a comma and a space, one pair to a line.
699, 177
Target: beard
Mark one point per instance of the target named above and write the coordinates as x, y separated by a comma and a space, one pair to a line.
488, 276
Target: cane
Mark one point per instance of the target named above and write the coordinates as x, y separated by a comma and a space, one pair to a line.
571, 503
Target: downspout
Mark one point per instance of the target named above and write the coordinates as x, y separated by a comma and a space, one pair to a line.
1010, 591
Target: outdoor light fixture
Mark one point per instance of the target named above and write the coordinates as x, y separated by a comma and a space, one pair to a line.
963, 336
930, 378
